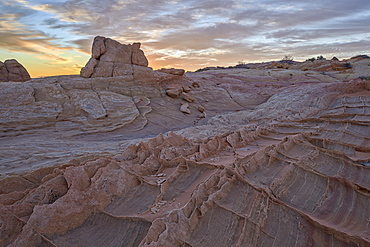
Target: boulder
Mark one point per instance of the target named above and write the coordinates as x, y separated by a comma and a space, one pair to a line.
172, 71
174, 90
187, 97
185, 108
201, 108
110, 58
186, 89
12, 70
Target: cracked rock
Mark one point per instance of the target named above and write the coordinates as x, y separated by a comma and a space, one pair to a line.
111, 58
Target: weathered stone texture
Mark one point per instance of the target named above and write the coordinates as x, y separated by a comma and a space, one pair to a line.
111, 58
12, 70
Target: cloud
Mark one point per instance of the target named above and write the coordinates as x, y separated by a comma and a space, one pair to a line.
84, 45
203, 37
16, 36
188, 33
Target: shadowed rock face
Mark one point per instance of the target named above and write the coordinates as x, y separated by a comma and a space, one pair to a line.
111, 58
11, 70
237, 157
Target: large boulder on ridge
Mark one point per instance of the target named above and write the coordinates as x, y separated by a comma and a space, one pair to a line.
12, 70
111, 58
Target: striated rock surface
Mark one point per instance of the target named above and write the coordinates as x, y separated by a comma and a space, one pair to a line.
282, 158
12, 70
111, 58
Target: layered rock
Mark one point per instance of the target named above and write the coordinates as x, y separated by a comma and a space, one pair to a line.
12, 70
173, 71
111, 58
229, 189
282, 158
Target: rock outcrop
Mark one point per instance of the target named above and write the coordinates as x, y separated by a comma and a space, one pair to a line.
111, 58
12, 70
179, 72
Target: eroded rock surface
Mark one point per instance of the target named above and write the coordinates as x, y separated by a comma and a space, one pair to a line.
111, 58
282, 158
12, 70
172, 71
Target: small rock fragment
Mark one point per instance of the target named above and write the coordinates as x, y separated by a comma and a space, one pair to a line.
161, 203
196, 84
185, 108
187, 97
161, 181
202, 115
200, 108
174, 90
186, 89
154, 210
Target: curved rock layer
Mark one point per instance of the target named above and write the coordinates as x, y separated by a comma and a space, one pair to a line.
297, 176
247, 158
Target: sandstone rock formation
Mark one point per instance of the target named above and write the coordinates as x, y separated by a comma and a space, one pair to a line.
11, 70
111, 58
172, 71
282, 158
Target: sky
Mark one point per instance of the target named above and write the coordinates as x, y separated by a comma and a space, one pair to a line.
55, 37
